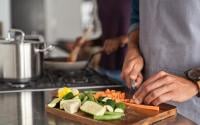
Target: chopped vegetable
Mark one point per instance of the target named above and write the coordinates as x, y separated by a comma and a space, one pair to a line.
75, 92
109, 108
118, 96
68, 96
90, 91
111, 103
108, 117
90, 97
105, 99
85, 99
76, 97
146, 107
63, 91
54, 102
114, 113
121, 105
81, 96
119, 110
93, 108
71, 106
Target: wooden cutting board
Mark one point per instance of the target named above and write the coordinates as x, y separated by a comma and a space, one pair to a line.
132, 116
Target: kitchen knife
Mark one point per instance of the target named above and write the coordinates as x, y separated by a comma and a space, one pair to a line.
132, 89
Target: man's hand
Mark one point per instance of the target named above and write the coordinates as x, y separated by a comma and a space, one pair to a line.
163, 87
111, 45
133, 63
132, 68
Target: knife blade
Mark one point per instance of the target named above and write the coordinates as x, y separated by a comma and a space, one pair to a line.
132, 89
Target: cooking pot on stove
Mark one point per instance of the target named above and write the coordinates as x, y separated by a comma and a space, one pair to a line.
21, 60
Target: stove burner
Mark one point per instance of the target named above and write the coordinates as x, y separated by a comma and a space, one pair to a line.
17, 85
59, 78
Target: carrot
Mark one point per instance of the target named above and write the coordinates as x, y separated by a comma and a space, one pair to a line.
147, 107
115, 95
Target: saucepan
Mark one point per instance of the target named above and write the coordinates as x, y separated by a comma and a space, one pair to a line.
21, 60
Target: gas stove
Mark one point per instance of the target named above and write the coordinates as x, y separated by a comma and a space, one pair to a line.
53, 79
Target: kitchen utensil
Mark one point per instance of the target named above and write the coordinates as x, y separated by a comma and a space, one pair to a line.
131, 90
91, 57
74, 54
21, 59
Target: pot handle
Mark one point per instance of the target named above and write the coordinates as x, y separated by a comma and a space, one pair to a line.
47, 49
16, 31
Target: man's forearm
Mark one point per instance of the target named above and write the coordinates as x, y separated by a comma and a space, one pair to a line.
133, 44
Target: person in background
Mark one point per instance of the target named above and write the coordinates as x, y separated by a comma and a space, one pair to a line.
162, 47
115, 20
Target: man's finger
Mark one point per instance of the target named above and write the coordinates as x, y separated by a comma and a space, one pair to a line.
126, 70
135, 71
158, 92
145, 89
127, 81
139, 80
163, 98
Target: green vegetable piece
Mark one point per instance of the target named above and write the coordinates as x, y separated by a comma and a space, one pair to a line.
108, 117
100, 100
111, 103
68, 96
54, 102
85, 99
114, 113
121, 105
91, 97
81, 96
90, 91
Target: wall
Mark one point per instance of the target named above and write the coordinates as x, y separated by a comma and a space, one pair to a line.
5, 15
63, 19
28, 15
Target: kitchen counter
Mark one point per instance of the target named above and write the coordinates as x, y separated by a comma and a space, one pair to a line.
28, 108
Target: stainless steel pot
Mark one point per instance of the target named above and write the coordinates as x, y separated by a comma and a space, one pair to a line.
21, 60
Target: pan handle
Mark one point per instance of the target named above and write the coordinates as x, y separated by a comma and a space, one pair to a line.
47, 49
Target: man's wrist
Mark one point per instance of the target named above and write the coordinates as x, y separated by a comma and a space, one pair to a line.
198, 87
194, 76
133, 38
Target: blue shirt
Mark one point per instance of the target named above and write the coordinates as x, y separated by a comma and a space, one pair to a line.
134, 15
135, 12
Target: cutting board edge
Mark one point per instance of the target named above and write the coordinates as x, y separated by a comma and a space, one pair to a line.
71, 117
158, 117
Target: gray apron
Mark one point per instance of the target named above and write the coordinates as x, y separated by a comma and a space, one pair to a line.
170, 41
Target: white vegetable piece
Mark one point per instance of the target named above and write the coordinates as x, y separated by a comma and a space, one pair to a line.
109, 108
75, 91
93, 108
119, 110
71, 106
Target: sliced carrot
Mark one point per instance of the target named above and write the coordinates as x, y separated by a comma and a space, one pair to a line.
147, 107
107, 91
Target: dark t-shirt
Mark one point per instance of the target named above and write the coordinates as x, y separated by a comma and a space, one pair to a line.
115, 16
